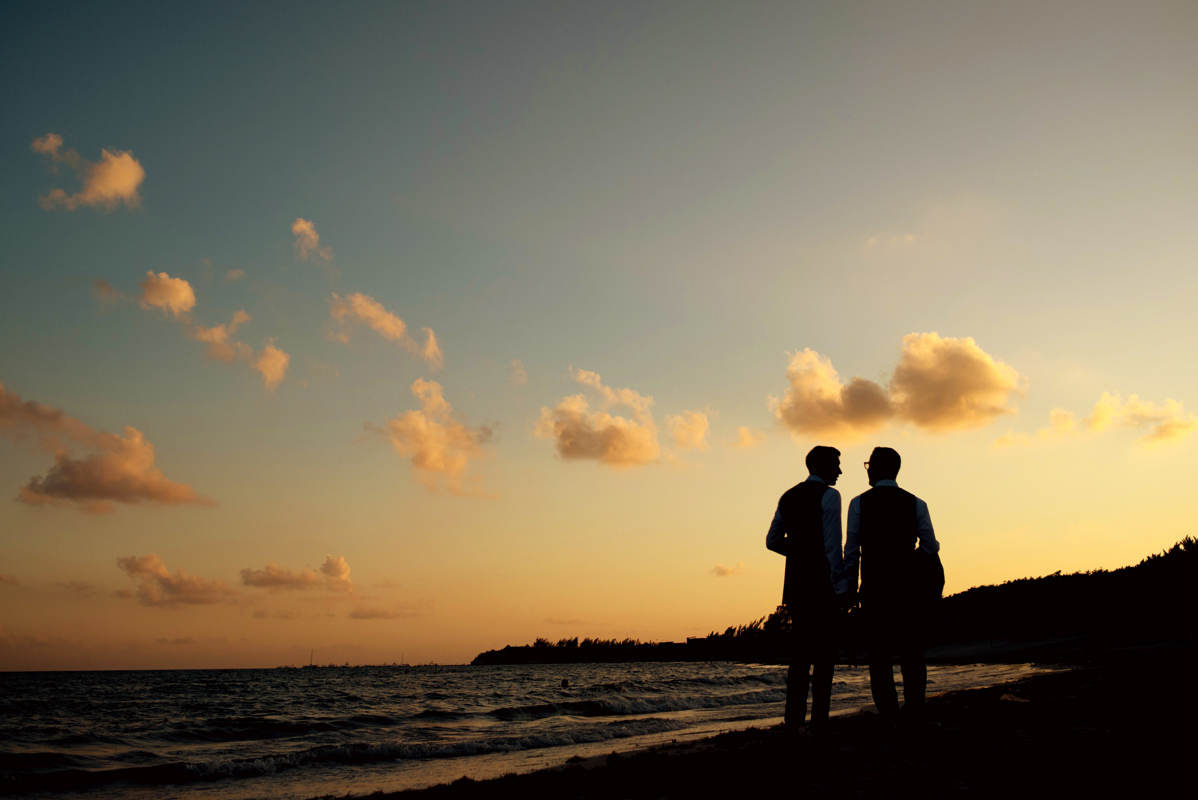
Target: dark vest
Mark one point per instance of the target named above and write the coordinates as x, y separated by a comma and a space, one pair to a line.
888, 531
808, 574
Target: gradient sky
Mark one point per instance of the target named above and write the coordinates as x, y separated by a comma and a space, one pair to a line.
986, 211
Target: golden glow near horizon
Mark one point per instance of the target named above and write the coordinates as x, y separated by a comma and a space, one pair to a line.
443, 333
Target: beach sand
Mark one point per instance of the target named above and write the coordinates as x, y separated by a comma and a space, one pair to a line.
1122, 721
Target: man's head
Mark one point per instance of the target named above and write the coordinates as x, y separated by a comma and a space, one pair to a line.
884, 464
825, 463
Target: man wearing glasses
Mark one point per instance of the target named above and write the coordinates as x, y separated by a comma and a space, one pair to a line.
890, 539
806, 529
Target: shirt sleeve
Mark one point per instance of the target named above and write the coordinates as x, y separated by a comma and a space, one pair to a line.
927, 537
832, 540
852, 545
776, 538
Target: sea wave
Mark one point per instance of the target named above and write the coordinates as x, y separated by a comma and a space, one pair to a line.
624, 706
325, 755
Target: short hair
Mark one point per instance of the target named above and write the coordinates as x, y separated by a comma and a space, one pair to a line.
885, 462
821, 456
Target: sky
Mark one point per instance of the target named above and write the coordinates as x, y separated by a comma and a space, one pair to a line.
379, 332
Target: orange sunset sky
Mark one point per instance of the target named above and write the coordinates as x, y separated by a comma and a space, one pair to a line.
413, 330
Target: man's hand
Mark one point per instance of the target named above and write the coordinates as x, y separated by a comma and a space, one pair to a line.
846, 600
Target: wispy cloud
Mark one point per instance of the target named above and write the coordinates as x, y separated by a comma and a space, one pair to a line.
10, 580
689, 429
81, 588
307, 241
1163, 424
272, 576
401, 611
578, 433
106, 295
440, 447
219, 339
748, 437
364, 309
234, 276
106, 184
720, 571
518, 376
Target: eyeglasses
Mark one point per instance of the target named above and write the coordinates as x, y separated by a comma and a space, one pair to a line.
867, 465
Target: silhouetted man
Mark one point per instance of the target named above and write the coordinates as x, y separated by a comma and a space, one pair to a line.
806, 529
887, 527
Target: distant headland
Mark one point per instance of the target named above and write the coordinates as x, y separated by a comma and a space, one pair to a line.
1155, 600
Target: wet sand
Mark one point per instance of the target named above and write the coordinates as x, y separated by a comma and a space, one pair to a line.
1122, 721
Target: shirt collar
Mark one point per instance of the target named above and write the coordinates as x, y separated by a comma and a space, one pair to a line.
886, 482
816, 478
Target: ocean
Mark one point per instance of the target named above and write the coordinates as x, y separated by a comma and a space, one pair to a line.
300, 733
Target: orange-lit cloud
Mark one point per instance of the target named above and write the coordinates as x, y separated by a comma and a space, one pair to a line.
518, 376
939, 384
157, 587
720, 571
272, 363
746, 438
336, 573
173, 295
176, 297
439, 446
431, 351
689, 429
365, 309
274, 577
107, 184
950, 384
220, 348
234, 275
1162, 424
122, 471
11, 580
361, 611
817, 404
579, 433
307, 241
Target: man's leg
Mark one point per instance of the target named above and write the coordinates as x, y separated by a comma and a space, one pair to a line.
881, 673
914, 665
823, 656
798, 677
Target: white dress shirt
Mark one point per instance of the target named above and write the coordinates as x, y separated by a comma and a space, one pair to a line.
830, 505
852, 544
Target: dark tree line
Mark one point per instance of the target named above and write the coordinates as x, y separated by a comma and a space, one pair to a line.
1154, 600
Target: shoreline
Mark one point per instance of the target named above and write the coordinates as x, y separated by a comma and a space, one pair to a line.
1090, 724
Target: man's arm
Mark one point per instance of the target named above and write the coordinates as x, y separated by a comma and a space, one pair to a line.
832, 539
852, 545
776, 538
927, 536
